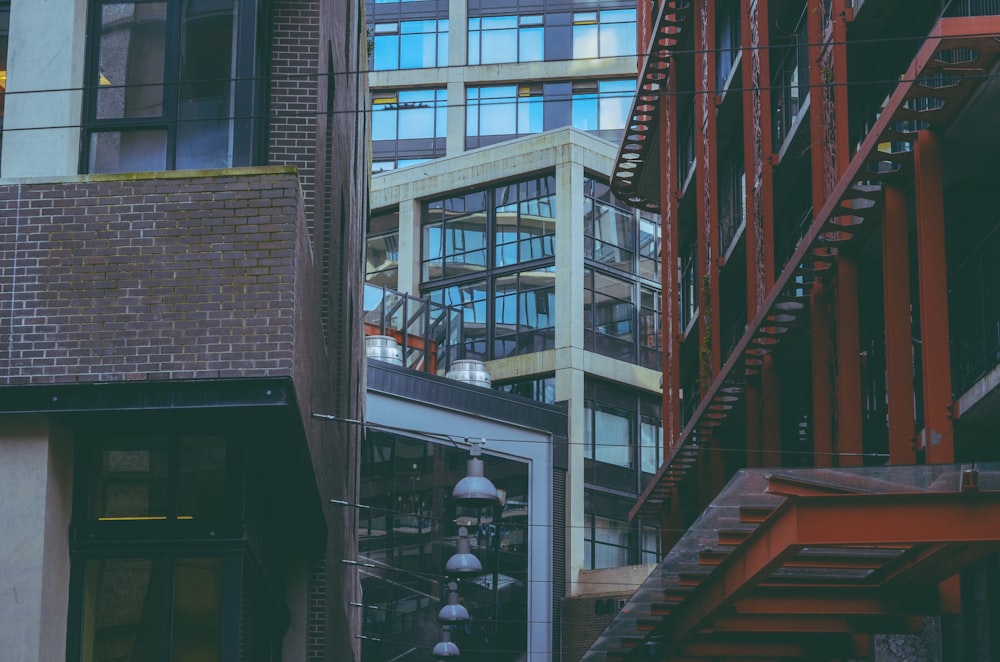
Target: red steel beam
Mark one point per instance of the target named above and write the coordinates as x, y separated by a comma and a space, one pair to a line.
898, 331
806, 622
853, 519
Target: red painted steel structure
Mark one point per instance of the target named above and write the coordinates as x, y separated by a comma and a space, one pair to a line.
878, 184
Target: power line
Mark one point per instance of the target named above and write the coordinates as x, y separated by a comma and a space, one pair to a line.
564, 97
126, 123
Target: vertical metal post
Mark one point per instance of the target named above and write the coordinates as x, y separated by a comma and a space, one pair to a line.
898, 335
938, 433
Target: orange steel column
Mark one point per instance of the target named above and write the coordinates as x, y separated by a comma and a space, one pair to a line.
668, 271
822, 376
706, 90
938, 435
672, 523
706, 179
849, 442
849, 414
759, 168
830, 156
898, 335
770, 413
823, 338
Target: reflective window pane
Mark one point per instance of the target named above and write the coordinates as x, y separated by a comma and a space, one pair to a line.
207, 78
386, 52
128, 151
131, 60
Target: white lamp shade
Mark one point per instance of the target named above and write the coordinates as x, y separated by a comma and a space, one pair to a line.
475, 489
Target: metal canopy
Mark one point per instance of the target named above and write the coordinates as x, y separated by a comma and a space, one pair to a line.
809, 562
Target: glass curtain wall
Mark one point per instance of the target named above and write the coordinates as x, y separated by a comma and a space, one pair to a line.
621, 290
407, 536
491, 253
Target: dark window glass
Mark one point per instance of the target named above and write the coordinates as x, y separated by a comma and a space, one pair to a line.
183, 478
123, 609
129, 481
542, 389
727, 39
197, 612
201, 484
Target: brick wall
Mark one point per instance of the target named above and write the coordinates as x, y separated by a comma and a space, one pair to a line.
159, 277
295, 92
581, 624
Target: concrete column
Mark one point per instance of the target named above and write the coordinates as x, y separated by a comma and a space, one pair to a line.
45, 52
36, 480
569, 350
409, 246
458, 49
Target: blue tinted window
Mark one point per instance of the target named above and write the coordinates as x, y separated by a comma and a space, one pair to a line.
495, 39
607, 33
504, 110
409, 114
410, 45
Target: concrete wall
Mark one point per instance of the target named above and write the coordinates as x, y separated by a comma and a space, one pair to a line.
36, 475
43, 103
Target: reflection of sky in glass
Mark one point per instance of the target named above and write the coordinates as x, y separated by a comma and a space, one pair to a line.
608, 33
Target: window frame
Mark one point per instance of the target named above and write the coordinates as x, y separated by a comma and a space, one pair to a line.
384, 31
480, 337
246, 586
250, 84
524, 26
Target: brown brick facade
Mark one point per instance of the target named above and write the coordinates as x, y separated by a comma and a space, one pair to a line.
160, 277
582, 624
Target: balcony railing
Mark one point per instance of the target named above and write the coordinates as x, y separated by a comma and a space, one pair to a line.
973, 8
975, 314
790, 85
429, 334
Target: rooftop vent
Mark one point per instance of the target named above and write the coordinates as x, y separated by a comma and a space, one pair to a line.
383, 348
471, 372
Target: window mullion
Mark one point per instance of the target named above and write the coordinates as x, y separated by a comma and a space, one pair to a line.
167, 622
171, 76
